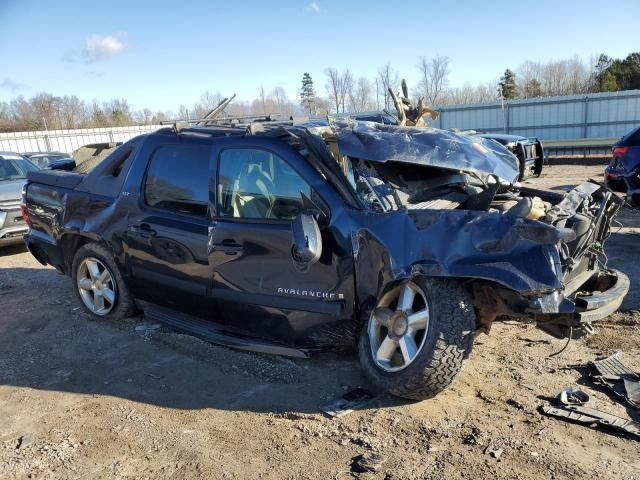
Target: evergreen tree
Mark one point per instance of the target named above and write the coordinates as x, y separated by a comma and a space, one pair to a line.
508, 85
614, 74
607, 82
308, 95
532, 89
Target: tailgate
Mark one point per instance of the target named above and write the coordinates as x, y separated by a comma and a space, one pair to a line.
56, 178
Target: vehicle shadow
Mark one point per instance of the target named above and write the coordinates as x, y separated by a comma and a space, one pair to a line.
565, 188
12, 250
48, 343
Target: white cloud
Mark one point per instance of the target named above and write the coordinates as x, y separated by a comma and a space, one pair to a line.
102, 47
314, 8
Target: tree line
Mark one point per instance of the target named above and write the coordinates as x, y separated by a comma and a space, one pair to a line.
342, 93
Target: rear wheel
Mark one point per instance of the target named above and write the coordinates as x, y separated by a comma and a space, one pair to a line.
417, 337
99, 284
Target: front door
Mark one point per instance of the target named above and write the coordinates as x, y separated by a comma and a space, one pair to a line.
257, 282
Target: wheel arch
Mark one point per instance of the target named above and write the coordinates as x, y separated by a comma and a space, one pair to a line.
71, 242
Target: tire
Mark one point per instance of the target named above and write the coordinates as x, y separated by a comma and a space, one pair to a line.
445, 344
522, 169
122, 304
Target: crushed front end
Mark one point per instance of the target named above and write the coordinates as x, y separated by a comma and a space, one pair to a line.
446, 205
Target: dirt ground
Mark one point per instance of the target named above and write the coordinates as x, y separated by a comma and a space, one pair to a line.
87, 399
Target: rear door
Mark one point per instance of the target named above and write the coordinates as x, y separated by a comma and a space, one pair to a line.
167, 235
257, 283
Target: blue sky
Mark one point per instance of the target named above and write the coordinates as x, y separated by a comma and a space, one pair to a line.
162, 54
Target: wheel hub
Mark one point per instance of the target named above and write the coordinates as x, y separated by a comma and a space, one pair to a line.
399, 325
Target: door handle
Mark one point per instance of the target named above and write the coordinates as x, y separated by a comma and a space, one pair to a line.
229, 246
144, 230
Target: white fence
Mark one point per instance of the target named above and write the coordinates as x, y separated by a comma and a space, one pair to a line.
68, 140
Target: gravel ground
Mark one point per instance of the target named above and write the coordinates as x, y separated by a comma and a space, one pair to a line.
86, 399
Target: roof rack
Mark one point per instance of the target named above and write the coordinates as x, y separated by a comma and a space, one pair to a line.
250, 123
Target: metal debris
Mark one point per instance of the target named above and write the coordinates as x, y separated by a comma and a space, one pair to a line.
611, 373
369, 462
347, 403
494, 452
591, 416
571, 406
571, 396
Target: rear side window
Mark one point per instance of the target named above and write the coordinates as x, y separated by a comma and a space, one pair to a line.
178, 179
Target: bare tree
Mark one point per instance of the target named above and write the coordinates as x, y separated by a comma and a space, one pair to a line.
345, 88
280, 98
183, 112
45, 108
73, 111
388, 80
333, 86
117, 111
262, 98
362, 96
434, 75
207, 102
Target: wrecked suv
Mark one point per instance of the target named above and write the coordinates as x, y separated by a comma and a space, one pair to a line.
287, 239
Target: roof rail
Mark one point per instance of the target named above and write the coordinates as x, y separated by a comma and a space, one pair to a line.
252, 123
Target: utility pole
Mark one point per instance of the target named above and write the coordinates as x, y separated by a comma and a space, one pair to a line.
504, 118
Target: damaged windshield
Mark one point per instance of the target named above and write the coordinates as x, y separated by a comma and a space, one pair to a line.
394, 185
383, 144
391, 167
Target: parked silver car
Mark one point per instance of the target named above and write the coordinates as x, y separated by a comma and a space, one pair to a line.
13, 175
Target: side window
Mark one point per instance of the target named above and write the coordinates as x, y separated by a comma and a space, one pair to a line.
178, 179
256, 183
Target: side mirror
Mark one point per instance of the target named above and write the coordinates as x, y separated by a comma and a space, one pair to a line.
307, 242
67, 164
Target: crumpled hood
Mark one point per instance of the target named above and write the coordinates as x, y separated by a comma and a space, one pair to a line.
11, 189
426, 146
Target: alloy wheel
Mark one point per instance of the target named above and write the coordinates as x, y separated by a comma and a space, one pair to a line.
96, 285
398, 327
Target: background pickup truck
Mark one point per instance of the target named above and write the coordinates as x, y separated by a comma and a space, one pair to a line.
288, 239
528, 150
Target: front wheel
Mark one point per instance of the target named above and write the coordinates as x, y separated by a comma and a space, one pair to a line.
417, 337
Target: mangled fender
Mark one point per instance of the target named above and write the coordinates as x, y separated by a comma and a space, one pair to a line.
517, 253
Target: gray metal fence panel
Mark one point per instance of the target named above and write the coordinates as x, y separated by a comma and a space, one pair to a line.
597, 115
69, 140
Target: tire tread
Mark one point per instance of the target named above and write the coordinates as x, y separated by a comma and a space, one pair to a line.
432, 371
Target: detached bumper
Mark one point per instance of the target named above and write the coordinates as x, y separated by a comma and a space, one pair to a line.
600, 304
596, 299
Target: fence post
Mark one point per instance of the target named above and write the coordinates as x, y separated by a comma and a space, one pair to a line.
586, 117
506, 122
47, 142
111, 135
